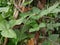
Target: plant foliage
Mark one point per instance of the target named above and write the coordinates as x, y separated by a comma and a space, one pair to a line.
42, 25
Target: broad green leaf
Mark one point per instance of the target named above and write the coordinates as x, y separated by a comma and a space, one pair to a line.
4, 9
42, 25
23, 36
4, 25
20, 35
34, 29
48, 10
32, 23
1, 18
12, 23
56, 25
32, 14
8, 33
3, 3
27, 2
54, 37
17, 22
13, 41
46, 43
57, 10
25, 14
37, 28
52, 25
35, 10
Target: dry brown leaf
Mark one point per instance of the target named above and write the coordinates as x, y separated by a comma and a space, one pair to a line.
18, 5
39, 5
25, 9
43, 1
36, 37
31, 41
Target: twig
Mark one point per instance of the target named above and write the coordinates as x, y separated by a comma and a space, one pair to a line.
5, 41
16, 12
17, 7
23, 2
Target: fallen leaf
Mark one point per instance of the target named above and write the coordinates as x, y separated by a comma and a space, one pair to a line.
31, 41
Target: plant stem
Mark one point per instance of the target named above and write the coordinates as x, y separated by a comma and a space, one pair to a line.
5, 41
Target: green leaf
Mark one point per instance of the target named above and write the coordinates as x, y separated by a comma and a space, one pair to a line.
1, 18
17, 22
23, 36
34, 29
35, 10
20, 35
8, 33
48, 10
1, 27
4, 9
3, 3
56, 25
42, 25
52, 25
46, 43
37, 28
40, 13
54, 37
27, 2
45, 12
4, 25
57, 10
32, 23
